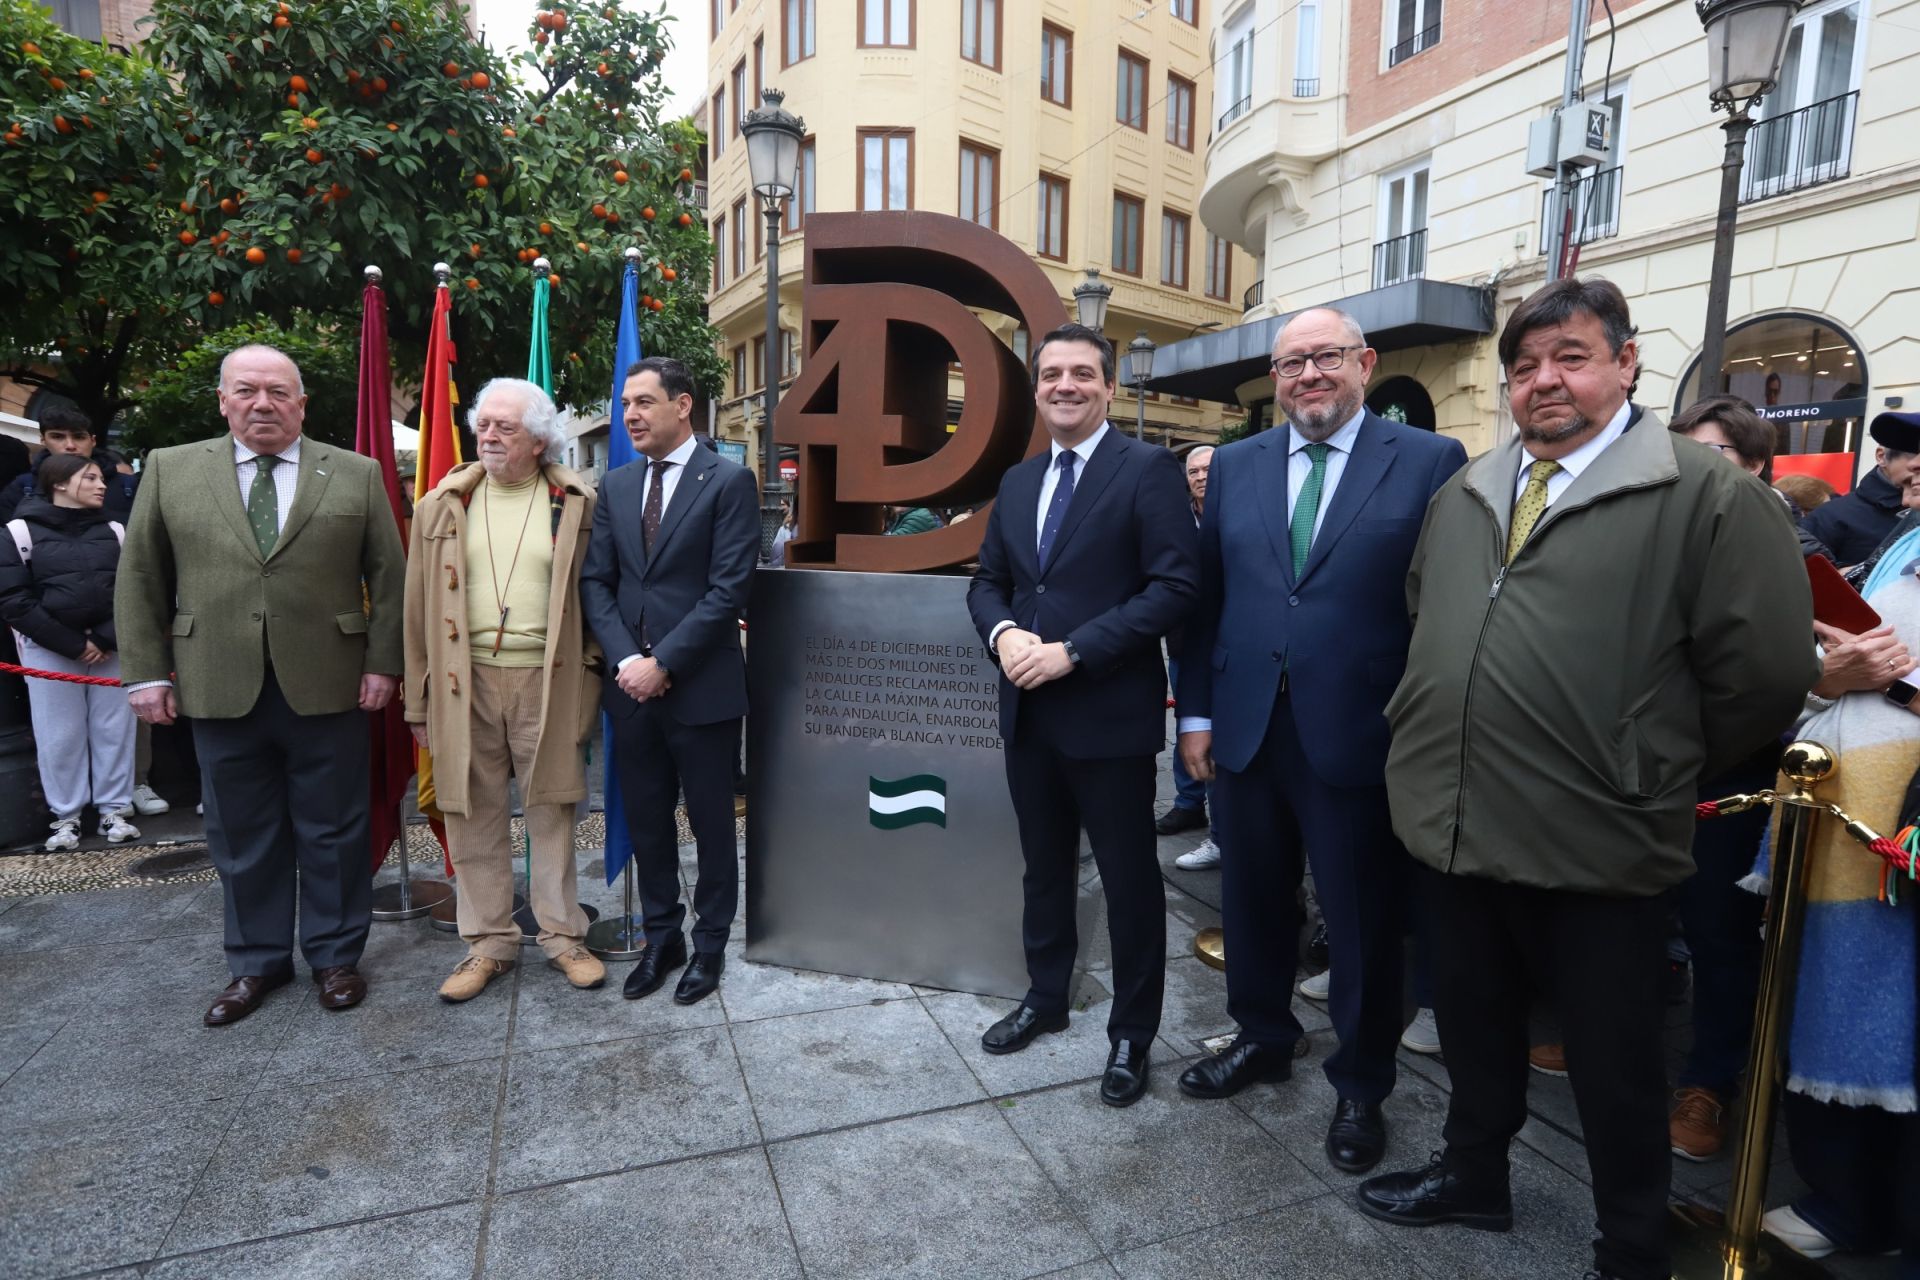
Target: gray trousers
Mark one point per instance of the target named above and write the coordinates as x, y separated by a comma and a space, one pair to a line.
83, 733
287, 801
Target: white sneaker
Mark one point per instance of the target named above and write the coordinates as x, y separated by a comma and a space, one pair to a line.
1204, 856
1422, 1034
147, 802
116, 828
66, 835
1316, 987
1795, 1232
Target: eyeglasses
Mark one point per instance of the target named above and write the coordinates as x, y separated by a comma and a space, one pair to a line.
1726, 449
1325, 361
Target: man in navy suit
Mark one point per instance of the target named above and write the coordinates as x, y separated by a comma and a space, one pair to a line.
1089, 558
1299, 639
675, 536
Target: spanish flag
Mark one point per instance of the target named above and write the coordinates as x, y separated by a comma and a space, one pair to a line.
439, 454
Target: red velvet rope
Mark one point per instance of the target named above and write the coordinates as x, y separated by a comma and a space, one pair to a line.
1706, 809
58, 675
1897, 858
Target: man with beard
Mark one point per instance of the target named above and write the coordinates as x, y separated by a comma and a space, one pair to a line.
1300, 636
1604, 613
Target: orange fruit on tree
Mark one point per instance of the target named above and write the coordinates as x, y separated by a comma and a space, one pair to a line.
353, 77
398, 27
559, 20
308, 122
620, 177
282, 21
256, 255
29, 48
392, 127
657, 305
581, 245
61, 125
554, 281
293, 100
85, 73
669, 274
612, 216
646, 300
540, 37
599, 211
187, 238
313, 155
379, 84
186, 206
216, 297
474, 248
603, 69
452, 69
229, 205
686, 175
99, 197
647, 213
472, 283
685, 219
481, 79
56, 84
546, 228
294, 255
480, 180
298, 84
507, 132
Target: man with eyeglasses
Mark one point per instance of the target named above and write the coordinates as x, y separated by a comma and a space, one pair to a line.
1300, 636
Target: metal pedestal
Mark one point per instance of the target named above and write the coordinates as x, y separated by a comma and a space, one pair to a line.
619, 937
1211, 946
530, 928
406, 899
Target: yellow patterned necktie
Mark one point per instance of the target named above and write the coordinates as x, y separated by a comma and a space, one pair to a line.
1532, 505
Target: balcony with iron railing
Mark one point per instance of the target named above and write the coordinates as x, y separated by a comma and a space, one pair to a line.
1401, 258
1255, 294
1413, 44
1303, 88
1596, 208
1235, 111
1800, 149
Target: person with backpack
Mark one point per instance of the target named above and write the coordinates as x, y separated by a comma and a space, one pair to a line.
57, 568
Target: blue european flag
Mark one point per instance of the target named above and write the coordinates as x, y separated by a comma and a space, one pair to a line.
626, 350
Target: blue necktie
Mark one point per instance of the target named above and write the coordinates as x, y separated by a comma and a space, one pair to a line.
1057, 509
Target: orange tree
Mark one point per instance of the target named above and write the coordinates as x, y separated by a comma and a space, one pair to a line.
280, 147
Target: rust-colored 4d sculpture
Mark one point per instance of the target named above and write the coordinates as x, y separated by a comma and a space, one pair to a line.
884, 312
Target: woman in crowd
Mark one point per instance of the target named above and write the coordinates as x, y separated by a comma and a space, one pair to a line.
1803, 491
1850, 1105
57, 566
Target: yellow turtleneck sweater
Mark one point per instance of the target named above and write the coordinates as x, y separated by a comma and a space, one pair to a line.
526, 589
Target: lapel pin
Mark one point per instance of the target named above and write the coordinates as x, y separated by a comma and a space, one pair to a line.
318, 472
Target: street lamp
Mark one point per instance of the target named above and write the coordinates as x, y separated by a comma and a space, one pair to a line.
773, 161
1139, 369
1745, 41
1090, 300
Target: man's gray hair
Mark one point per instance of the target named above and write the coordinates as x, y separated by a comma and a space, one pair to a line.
299, 383
539, 417
1356, 336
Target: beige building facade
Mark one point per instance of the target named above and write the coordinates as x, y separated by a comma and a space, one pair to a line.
1394, 179
1076, 128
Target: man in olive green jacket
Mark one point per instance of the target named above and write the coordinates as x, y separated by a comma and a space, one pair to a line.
260, 595
1603, 614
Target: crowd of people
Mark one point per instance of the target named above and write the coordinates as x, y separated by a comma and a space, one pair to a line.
1478, 700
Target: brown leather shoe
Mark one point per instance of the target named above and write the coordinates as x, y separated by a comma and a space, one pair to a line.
242, 997
1548, 1059
1697, 1130
341, 986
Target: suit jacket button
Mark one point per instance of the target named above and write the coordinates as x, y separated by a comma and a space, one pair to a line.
1279, 656
254, 616
1293, 599
1040, 590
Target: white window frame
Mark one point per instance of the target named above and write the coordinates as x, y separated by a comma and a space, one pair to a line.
1605, 224
1384, 231
1427, 13
1306, 40
1797, 173
1236, 67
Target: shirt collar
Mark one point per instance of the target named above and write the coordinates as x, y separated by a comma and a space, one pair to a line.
1342, 439
680, 456
1084, 449
1582, 458
243, 454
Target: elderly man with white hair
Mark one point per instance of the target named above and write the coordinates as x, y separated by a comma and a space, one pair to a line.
499, 679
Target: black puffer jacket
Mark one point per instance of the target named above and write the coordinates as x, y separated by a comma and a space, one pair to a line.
63, 597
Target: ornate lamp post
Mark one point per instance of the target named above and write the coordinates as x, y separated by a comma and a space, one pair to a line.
1745, 41
1090, 300
773, 159
1139, 369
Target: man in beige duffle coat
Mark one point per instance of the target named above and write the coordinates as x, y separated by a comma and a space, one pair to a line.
499, 681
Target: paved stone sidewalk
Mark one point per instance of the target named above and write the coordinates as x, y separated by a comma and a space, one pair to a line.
796, 1125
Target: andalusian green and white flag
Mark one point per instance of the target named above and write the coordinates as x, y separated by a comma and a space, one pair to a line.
901, 802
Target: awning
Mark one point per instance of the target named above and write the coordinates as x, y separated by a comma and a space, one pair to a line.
1412, 313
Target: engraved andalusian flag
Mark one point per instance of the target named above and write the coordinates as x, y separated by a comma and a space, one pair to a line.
901, 802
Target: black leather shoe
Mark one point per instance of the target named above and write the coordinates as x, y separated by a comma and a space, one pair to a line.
1017, 1030
1428, 1196
1357, 1138
1240, 1064
701, 979
1126, 1077
1178, 819
656, 962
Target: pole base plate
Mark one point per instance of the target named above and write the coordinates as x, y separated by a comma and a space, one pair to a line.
422, 897
1697, 1237
617, 938
1211, 946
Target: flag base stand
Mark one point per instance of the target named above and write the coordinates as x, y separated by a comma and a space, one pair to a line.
1698, 1239
1211, 946
406, 899
619, 937
530, 928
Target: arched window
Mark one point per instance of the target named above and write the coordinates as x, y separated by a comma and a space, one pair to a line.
1805, 373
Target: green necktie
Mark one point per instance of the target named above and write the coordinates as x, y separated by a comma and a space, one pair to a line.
1532, 505
263, 504
1306, 508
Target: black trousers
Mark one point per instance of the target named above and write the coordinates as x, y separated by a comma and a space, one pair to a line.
1602, 961
287, 799
658, 757
1054, 798
1274, 816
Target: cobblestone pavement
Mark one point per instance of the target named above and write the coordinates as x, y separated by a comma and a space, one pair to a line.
798, 1124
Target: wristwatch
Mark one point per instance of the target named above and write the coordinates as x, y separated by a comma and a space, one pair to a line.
1073, 654
1901, 694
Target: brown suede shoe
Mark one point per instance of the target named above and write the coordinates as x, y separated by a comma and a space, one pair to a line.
1698, 1127
1548, 1059
341, 986
582, 967
470, 977
242, 997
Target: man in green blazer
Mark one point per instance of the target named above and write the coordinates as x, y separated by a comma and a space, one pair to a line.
260, 595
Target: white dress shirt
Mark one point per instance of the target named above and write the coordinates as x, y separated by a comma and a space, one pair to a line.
1048, 483
1574, 463
1299, 467
285, 476
669, 481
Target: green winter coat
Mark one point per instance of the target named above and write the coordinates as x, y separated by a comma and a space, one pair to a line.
1558, 713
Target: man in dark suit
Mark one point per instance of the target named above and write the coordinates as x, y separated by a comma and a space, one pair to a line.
1299, 639
1089, 558
675, 536
260, 593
